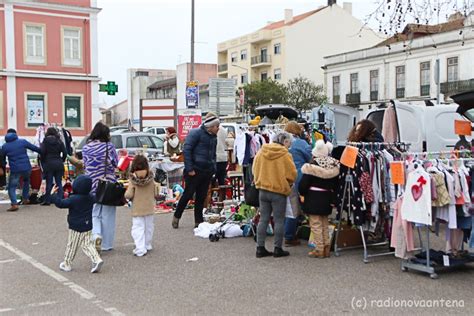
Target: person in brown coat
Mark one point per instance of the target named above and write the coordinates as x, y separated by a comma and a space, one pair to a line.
142, 190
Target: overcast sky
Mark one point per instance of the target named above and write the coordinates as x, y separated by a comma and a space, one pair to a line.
156, 33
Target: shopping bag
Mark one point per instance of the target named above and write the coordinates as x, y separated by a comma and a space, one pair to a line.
110, 193
251, 195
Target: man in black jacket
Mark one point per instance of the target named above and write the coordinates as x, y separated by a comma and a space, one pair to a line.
199, 167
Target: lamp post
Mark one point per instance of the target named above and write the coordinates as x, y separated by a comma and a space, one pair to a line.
192, 40
247, 74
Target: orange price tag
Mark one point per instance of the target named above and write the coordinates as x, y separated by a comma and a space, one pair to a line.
397, 172
462, 128
349, 156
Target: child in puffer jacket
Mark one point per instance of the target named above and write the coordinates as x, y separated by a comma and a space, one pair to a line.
142, 190
80, 205
318, 185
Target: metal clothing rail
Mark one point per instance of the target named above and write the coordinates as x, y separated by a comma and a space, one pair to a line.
347, 195
438, 153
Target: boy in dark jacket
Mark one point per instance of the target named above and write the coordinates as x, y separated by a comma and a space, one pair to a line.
80, 205
318, 185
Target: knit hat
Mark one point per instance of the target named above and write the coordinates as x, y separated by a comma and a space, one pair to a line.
322, 149
211, 120
11, 130
293, 128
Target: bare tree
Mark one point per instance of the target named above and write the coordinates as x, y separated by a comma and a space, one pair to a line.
392, 15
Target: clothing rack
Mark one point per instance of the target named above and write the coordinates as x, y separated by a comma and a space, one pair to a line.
439, 153
407, 264
348, 193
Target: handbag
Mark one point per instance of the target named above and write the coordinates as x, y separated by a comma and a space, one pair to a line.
251, 195
109, 193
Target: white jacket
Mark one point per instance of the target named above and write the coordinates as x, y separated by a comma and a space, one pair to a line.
221, 153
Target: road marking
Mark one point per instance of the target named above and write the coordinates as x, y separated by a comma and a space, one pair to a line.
42, 304
58, 277
4, 310
7, 261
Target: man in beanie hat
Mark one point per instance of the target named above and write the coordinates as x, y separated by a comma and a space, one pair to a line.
300, 151
199, 167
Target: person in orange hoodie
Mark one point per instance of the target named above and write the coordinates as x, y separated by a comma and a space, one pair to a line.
274, 174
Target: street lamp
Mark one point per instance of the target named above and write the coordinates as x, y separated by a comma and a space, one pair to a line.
247, 75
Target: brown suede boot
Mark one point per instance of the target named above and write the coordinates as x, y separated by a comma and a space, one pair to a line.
13, 208
327, 251
317, 253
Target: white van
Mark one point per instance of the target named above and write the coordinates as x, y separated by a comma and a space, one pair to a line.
425, 126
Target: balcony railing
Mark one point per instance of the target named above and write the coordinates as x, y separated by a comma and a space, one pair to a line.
374, 95
336, 99
222, 68
400, 93
261, 59
450, 88
353, 98
425, 90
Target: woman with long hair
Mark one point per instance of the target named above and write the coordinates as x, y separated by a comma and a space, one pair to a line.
100, 161
365, 131
53, 156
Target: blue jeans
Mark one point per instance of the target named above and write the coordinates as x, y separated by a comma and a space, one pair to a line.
103, 224
291, 225
58, 177
13, 182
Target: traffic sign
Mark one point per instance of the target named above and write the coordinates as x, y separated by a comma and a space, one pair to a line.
111, 88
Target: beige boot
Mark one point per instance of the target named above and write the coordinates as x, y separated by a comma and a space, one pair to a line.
327, 251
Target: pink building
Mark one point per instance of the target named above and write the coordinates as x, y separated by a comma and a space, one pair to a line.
49, 65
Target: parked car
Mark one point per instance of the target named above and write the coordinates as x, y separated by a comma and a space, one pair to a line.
133, 142
155, 130
118, 128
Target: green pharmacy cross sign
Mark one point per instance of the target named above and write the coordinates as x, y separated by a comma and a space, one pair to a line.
111, 88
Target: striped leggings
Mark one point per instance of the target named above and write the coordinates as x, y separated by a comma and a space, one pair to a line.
76, 239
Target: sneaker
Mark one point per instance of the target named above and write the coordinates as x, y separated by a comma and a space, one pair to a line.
64, 267
98, 244
13, 208
96, 266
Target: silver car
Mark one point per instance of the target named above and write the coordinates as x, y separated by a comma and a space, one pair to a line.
134, 142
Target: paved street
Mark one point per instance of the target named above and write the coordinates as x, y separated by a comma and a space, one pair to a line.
227, 278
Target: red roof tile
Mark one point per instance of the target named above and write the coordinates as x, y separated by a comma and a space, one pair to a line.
296, 19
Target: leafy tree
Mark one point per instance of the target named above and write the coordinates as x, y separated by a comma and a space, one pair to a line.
303, 94
263, 92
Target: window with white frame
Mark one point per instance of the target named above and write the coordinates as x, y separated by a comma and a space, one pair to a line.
354, 83
400, 81
233, 57
425, 71
72, 111
277, 74
243, 54
453, 70
374, 85
72, 46
243, 78
34, 41
277, 49
336, 84
35, 110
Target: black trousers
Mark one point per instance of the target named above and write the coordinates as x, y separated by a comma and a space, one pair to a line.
221, 172
199, 185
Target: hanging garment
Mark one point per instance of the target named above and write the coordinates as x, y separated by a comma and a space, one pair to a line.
402, 233
442, 194
389, 125
240, 147
416, 206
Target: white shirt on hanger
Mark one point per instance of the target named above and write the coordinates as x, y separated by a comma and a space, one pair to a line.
416, 206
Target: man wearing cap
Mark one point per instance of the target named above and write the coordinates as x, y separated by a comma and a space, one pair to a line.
199, 167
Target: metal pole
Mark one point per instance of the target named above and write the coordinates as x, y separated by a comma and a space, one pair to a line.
218, 100
192, 40
437, 79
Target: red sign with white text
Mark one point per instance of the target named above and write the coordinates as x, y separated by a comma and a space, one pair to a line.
187, 120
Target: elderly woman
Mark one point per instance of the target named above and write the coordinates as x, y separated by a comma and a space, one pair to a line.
100, 161
274, 173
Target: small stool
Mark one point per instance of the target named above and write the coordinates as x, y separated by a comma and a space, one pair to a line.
236, 180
